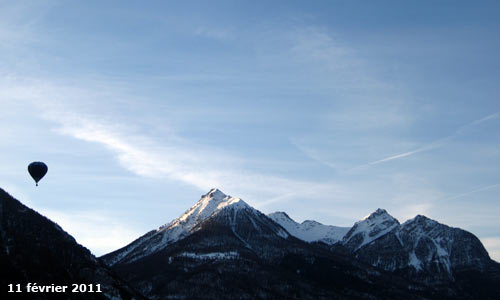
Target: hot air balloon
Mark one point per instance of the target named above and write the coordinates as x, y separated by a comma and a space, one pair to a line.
37, 170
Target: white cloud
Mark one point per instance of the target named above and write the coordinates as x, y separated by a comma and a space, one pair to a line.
174, 158
79, 113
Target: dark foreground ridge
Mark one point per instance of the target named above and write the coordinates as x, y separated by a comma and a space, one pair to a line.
34, 249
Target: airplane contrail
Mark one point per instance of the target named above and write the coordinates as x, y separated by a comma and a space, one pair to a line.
433, 145
484, 188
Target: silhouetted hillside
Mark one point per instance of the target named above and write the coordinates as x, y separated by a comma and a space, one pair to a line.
34, 249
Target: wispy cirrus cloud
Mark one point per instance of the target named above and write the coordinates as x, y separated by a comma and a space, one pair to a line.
169, 157
197, 165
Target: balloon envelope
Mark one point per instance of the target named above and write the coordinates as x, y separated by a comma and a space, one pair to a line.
37, 170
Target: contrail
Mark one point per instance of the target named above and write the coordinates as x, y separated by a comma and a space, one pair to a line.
433, 145
421, 149
484, 188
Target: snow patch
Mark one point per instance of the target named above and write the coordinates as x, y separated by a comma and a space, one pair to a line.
371, 228
414, 261
210, 256
282, 234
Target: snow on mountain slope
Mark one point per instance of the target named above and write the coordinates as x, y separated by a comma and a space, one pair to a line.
446, 247
309, 231
422, 232
422, 248
420, 245
209, 205
369, 229
213, 201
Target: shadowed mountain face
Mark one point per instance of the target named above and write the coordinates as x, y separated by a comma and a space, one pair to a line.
35, 249
448, 259
428, 252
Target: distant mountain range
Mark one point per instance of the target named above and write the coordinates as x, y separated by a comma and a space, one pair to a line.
420, 249
222, 248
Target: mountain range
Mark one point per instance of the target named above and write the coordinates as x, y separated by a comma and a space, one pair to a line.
376, 258
222, 248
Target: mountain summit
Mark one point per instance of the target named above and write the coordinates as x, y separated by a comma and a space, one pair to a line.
214, 204
210, 203
369, 229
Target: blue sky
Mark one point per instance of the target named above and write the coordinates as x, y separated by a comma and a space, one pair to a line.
326, 110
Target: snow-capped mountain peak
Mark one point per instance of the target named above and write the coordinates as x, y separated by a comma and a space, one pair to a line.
211, 202
419, 245
370, 228
421, 220
379, 213
309, 230
282, 218
215, 193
